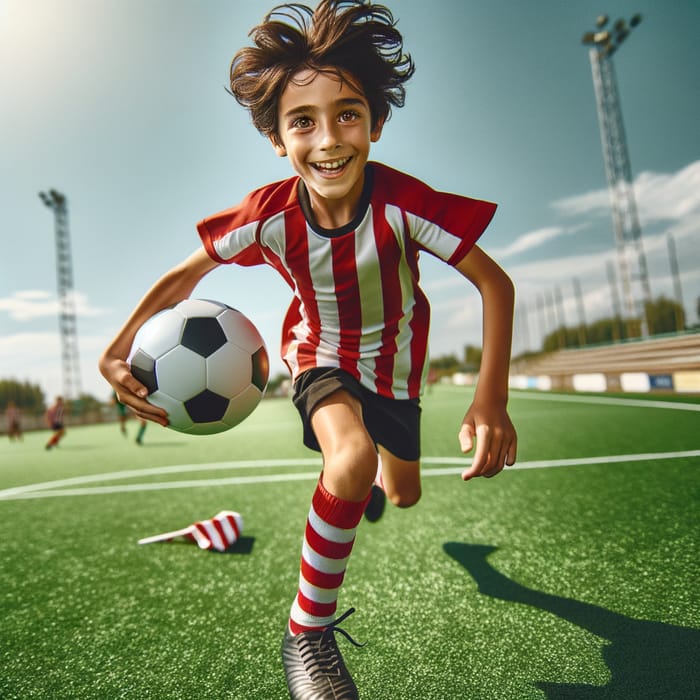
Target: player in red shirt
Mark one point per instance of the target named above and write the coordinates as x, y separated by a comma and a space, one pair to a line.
54, 418
346, 235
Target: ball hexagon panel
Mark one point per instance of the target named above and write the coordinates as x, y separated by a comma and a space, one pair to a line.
241, 406
240, 330
177, 415
203, 335
229, 370
162, 332
181, 373
190, 308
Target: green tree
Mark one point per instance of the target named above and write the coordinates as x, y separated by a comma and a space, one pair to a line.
28, 397
444, 362
472, 357
665, 315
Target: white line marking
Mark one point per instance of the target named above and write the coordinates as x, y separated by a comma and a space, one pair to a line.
157, 471
612, 400
35, 490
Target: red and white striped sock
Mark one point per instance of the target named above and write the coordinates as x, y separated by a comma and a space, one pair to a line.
328, 540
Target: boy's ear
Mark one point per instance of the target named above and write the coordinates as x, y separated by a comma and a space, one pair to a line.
280, 150
376, 131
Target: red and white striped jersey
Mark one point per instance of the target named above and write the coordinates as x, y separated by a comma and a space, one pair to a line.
357, 301
54, 414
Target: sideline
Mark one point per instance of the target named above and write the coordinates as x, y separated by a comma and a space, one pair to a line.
51, 489
610, 400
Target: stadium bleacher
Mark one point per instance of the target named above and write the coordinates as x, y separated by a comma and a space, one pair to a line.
667, 363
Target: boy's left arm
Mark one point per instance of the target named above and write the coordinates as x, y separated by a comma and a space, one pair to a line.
487, 418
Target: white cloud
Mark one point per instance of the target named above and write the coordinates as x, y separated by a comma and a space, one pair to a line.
595, 202
669, 197
529, 240
27, 305
36, 358
659, 197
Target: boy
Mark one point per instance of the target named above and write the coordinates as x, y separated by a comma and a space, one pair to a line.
54, 418
14, 425
345, 234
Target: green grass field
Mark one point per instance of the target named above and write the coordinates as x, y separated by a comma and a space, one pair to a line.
573, 575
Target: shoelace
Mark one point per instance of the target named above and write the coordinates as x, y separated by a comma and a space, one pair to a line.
326, 659
333, 627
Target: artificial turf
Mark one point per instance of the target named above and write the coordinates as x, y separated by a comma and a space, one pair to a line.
572, 581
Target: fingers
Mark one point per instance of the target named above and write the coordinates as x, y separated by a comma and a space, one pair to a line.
132, 397
495, 448
466, 437
132, 393
144, 409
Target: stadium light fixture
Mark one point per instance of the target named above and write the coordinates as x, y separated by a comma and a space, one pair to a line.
608, 41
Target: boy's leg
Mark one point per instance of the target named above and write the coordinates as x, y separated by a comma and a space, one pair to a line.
349, 467
395, 428
312, 661
55, 438
400, 479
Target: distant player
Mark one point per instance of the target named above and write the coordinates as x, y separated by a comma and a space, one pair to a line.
55, 418
345, 234
13, 418
122, 416
122, 413
141, 431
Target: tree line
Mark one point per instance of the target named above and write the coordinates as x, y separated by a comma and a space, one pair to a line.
662, 316
30, 399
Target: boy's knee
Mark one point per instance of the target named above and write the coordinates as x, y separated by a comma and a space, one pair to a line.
405, 498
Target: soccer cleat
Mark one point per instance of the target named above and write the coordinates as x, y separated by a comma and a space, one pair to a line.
314, 667
375, 506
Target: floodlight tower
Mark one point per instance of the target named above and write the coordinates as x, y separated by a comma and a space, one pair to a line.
628, 234
64, 274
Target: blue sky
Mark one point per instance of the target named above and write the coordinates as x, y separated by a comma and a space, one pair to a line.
120, 105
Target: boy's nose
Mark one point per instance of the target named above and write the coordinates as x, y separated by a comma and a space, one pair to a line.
330, 139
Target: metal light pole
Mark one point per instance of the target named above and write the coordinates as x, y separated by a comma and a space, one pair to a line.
64, 274
628, 234
675, 274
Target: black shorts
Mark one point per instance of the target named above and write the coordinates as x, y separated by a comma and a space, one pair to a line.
392, 423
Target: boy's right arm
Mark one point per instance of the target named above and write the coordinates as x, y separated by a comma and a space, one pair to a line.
175, 285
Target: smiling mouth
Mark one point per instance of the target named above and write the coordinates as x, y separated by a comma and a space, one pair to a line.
331, 166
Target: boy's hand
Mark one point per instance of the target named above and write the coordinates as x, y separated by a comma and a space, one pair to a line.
496, 440
130, 391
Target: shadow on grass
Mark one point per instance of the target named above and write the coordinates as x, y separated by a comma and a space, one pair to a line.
243, 545
148, 445
646, 659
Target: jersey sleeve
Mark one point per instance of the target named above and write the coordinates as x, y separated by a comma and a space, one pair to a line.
450, 227
444, 224
232, 235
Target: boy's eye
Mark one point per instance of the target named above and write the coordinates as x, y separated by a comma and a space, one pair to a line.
301, 123
348, 115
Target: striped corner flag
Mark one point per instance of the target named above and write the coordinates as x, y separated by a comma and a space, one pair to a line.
219, 532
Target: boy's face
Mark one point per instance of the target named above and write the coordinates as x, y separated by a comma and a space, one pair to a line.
325, 129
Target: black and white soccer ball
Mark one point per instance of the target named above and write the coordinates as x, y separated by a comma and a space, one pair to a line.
202, 361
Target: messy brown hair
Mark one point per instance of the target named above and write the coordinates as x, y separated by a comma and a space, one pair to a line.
354, 39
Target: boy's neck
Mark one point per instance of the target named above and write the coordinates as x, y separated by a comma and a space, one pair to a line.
336, 216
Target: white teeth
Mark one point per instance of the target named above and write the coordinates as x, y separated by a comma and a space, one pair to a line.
333, 165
